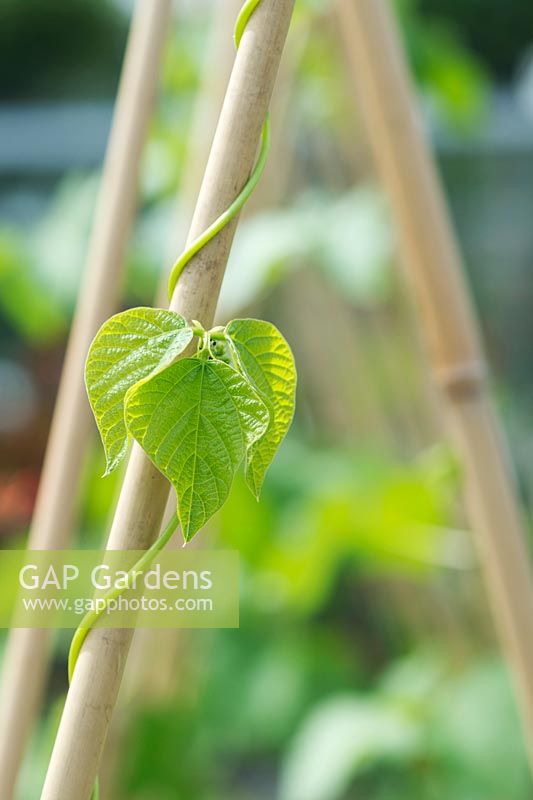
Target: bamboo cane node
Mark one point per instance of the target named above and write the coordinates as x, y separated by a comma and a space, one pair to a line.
462, 381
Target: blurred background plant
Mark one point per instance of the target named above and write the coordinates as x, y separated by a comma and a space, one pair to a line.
365, 665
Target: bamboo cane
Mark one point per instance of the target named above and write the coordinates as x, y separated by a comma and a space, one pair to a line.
379, 72
216, 69
142, 679
141, 505
139, 679
27, 649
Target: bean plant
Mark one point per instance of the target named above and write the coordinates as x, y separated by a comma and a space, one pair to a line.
196, 417
199, 417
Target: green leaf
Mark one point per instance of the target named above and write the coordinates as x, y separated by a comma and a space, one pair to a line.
267, 359
342, 736
196, 420
128, 347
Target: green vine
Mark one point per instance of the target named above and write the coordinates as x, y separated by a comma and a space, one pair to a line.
197, 418
242, 20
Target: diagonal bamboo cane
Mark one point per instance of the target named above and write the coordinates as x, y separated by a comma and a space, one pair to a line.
432, 262
216, 69
27, 650
141, 505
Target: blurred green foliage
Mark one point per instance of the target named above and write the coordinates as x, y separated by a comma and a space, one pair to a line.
324, 693
499, 34
40, 310
363, 667
453, 78
49, 261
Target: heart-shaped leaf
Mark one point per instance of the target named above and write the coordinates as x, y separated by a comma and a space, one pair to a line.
127, 348
267, 360
196, 420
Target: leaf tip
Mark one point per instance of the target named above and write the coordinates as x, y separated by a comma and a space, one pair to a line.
188, 535
110, 467
113, 462
254, 485
187, 529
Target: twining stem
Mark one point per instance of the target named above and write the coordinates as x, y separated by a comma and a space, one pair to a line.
232, 211
91, 617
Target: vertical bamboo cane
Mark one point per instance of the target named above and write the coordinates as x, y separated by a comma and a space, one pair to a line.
141, 505
27, 649
432, 262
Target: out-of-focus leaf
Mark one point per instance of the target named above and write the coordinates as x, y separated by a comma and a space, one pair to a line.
339, 738
339, 509
274, 242
449, 74
477, 731
347, 239
355, 248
